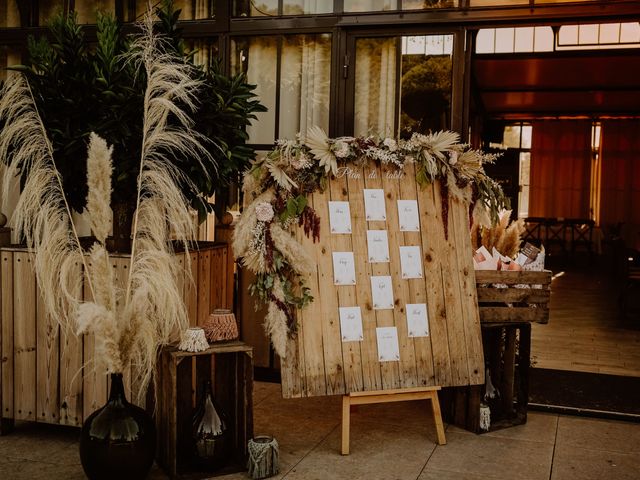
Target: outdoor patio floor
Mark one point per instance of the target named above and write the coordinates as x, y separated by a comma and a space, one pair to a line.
391, 441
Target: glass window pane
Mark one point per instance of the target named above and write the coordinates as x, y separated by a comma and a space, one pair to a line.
304, 84
426, 4
257, 57
524, 39
485, 40
543, 39
8, 57
511, 137
504, 40
375, 91
425, 99
204, 50
9, 15
255, 8
630, 32
87, 10
493, 3
369, 5
306, 7
609, 33
526, 136
568, 35
588, 34
48, 8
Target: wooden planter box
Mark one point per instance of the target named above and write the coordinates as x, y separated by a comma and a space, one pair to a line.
506, 315
41, 378
181, 375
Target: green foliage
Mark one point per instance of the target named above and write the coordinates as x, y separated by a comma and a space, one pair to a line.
79, 89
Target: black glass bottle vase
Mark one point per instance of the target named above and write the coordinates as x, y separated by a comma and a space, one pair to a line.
210, 432
118, 441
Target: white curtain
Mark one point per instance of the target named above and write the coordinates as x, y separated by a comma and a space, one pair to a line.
261, 58
305, 7
304, 84
369, 5
375, 94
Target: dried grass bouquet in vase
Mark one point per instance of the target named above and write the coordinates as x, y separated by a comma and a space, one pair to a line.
130, 324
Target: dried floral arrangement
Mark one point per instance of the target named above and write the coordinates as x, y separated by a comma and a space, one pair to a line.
277, 187
129, 324
505, 235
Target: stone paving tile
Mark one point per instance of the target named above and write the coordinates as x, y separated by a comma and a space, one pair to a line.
573, 463
540, 427
597, 434
264, 390
437, 474
493, 457
378, 452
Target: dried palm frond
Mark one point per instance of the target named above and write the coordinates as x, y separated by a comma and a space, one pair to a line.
42, 213
318, 144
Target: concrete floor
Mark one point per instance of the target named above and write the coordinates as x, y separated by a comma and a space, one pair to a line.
392, 441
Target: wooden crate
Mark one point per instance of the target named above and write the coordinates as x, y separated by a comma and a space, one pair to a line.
181, 375
41, 378
506, 314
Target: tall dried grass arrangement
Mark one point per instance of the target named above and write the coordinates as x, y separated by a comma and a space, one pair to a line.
151, 311
505, 236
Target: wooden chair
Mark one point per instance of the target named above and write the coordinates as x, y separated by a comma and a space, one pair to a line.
581, 233
555, 234
533, 230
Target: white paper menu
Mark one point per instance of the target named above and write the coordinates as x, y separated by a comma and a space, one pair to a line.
377, 246
417, 320
344, 268
382, 292
408, 216
339, 217
388, 348
374, 208
351, 324
411, 262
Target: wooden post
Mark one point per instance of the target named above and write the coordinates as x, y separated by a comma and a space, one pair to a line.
386, 396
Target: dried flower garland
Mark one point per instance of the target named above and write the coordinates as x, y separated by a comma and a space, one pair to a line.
277, 187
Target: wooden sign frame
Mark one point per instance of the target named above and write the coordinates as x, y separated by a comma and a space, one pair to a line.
319, 363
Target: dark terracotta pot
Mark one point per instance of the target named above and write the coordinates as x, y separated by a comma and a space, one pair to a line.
119, 440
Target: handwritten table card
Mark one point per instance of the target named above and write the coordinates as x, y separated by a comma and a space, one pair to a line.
339, 217
388, 348
417, 320
382, 292
344, 268
408, 216
411, 262
378, 246
374, 208
351, 324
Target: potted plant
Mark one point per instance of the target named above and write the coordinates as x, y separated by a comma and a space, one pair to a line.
79, 90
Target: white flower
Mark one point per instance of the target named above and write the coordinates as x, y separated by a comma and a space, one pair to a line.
301, 161
341, 149
391, 144
453, 157
264, 212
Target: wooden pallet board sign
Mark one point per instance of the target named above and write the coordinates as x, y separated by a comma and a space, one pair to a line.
376, 230
395, 302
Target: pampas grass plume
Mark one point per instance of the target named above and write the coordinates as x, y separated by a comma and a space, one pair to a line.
99, 168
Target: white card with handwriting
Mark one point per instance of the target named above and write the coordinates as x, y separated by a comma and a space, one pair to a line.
344, 268
374, 209
382, 292
417, 320
339, 217
377, 246
388, 348
408, 216
351, 324
410, 262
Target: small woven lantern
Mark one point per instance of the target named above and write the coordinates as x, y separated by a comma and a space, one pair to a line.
221, 325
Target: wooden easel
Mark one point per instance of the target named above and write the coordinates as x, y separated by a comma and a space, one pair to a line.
386, 396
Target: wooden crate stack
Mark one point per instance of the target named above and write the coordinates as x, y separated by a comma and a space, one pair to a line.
508, 303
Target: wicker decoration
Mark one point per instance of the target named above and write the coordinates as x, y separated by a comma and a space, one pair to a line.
221, 326
193, 340
264, 455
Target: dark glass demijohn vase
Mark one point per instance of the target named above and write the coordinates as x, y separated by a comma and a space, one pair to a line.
210, 432
118, 441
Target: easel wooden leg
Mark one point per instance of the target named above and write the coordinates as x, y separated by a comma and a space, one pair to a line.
437, 417
386, 396
346, 420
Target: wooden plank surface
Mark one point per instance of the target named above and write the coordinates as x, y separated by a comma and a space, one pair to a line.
513, 314
7, 335
204, 286
512, 278
24, 316
48, 364
451, 354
